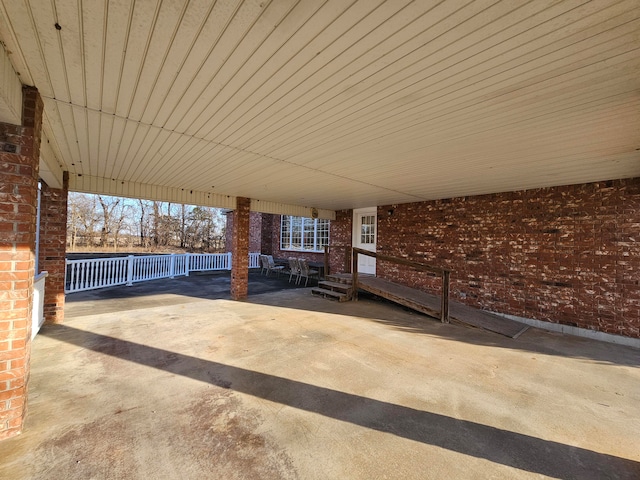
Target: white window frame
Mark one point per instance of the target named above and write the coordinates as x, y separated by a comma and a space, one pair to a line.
286, 244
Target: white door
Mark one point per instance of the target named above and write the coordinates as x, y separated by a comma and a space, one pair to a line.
364, 236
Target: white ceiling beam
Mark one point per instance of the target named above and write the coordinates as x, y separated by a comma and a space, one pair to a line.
10, 91
121, 188
50, 170
277, 208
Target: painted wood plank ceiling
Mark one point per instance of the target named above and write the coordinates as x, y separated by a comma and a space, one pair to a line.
334, 103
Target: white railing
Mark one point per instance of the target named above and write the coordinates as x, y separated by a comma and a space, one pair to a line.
37, 313
95, 273
215, 261
254, 260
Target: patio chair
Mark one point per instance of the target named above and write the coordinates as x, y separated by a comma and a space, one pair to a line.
294, 269
306, 272
264, 265
272, 267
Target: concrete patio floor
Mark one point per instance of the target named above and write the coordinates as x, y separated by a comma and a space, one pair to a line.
172, 380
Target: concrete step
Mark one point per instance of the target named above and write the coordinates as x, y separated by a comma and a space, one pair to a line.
330, 294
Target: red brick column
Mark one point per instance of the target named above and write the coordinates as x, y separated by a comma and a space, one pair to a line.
18, 200
53, 243
340, 233
240, 249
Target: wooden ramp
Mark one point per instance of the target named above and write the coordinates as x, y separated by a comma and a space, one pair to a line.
430, 305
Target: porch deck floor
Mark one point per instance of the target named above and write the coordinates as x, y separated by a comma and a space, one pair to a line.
176, 381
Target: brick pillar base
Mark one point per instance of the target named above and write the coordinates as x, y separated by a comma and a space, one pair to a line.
53, 243
18, 200
240, 249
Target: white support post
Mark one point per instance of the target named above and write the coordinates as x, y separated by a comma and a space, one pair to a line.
37, 255
187, 259
130, 270
229, 261
172, 266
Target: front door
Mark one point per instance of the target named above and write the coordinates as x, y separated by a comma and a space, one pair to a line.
364, 236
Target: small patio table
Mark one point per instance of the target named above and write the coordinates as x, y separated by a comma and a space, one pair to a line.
318, 266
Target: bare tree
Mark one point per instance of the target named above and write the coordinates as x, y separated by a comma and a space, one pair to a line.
166, 226
115, 220
109, 205
205, 229
82, 219
144, 224
119, 222
183, 225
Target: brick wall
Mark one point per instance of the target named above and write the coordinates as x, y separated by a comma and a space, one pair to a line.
53, 231
18, 197
264, 237
566, 254
279, 253
255, 230
266, 234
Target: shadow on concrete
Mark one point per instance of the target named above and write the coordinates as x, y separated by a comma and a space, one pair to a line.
265, 290
500, 446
